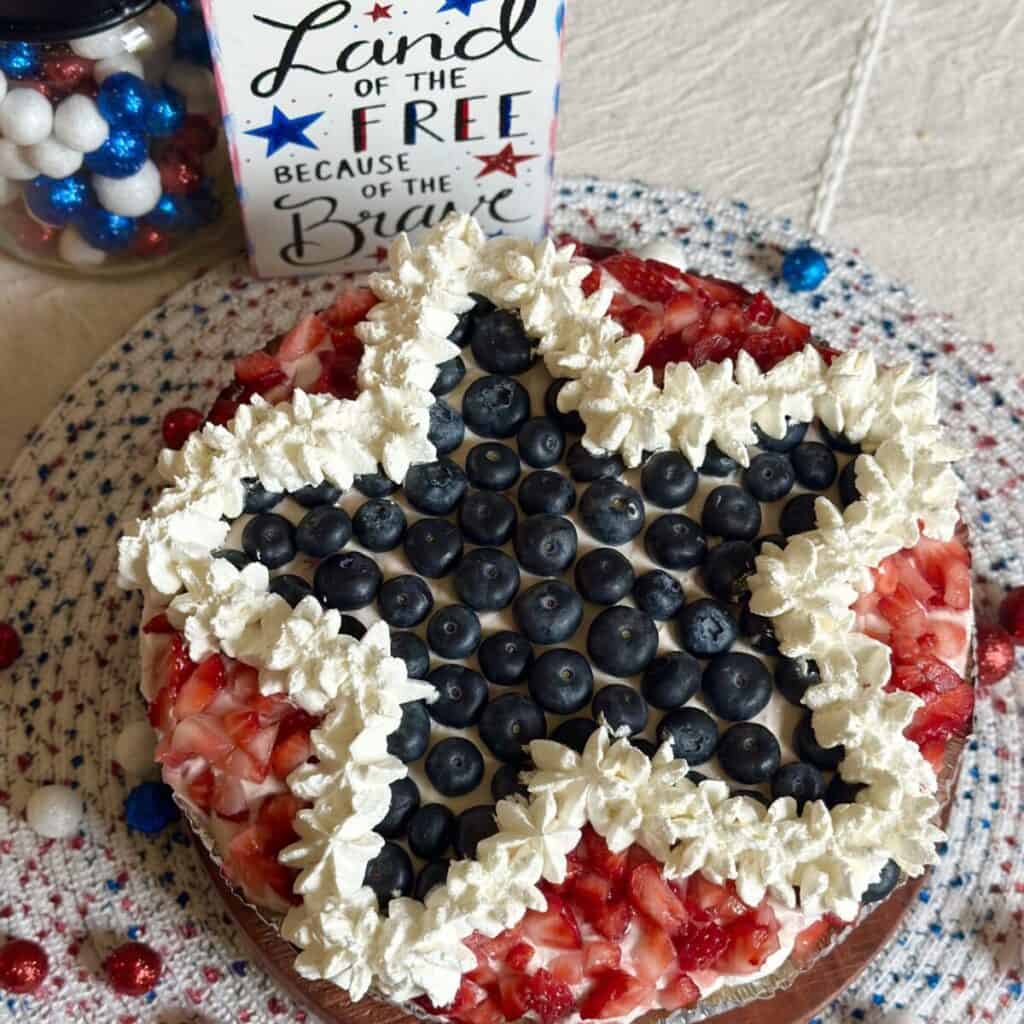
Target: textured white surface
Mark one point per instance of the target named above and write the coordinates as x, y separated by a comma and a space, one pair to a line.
739, 100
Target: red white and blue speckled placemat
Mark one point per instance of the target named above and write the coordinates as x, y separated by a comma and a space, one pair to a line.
67, 699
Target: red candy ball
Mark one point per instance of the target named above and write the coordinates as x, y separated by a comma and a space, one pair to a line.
35, 237
133, 969
150, 243
180, 171
1011, 614
995, 654
67, 72
197, 134
179, 424
10, 645
23, 966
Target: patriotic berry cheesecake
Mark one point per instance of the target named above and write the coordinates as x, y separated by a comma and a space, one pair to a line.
544, 631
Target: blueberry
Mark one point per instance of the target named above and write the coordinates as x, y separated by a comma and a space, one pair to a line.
541, 442
324, 493
433, 874
505, 658
707, 628
449, 376
814, 465
692, 733
887, 881
546, 492
604, 576
433, 547
612, 511
840, 791
409, 741
585, 467
731, 513
509, 724
290, 587
668, 480
621, 707
375, 485
500, 344
758, 630
840, 442
645, 746
769, 476
454, 766
803, 782
481, 304
472, 827
379, 524
737, 686
696, 777
462, 694
487, 518
496, 406
622, 641
322, 531
404, 601
389, 874
574, 733
798, 515
809, 749
561, 681
749, 753
405, 799
430, 831
435, 488
413, 651
463, 329
546, 545
570, 422
492, 466
454, 632
659, 595
778, 539
447, 428
728, 569
717, 463
270, 539
795, 433
671, 680
549, 612
487, 580
239, 559
258, 498
347, 581
675, 541
848, 492
351, 626
505, 783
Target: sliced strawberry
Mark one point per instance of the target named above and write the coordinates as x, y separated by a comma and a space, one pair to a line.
655, 953
944, 715
650, 894
277, 815
226, 404
178, 666
750, 945
615, 994
251, 858
611, 920
488, 1012
202, 736
548, 997
600, 956
718, 290
512, 994
302, 339
647, 279
679, 994
351, 307
811, 941
591, 892
568, 967
596, 853
241, 765
158, 625
648, 323
293, 748
699, 946
714, 902
255, 366
795, 329
934, 752
683, 310
947, 639
519, 956
161, 709
592, 282
761, 310
498, 948
201, 687
200, 788
555, 927
229, 799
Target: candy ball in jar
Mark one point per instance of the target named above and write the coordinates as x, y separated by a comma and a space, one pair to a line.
111, 154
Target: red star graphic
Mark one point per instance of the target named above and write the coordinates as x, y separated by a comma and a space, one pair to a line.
507, 162
380, 11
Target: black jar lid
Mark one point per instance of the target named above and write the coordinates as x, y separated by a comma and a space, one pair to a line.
50, 21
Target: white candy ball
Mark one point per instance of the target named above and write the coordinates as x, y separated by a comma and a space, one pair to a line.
196, 84
9, 191
136, 746
54, 812
14, 162
100, 45
160, 24
127, 62
74, 249
79, 124
53, 158
130, 197
3, 85
26, 117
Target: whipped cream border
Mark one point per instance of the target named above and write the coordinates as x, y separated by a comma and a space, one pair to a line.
807, 589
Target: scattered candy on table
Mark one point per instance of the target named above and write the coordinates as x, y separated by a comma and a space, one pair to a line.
133, 969
995, 654
10, 645
804, 268
179, 424
150, 808
54, 812
1011, 614
23, 966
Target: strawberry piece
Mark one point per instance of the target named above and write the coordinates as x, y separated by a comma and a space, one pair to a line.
714, 902
615, 994
512, 994
718, 290
488, 1012
947, 639
179, 425
226, 404
555, 927
768, 348
161, 709
650, 894
796, 330
811, 941
586, 251
943, 715
699, 946
611, 920
761, 310
646, 279
600, 956
201, 687
591, 892
934, 752
202, 736
519, 956
683, 310
548, 997
158, 625
307, 335
1011, 613
751, 942
255, 366
200, 788
655, 953
648, 323
595, 851
925, 675
178, 666
592, 282
277, 815
568, 967
251, 859
293, 748
229, 798
679, 993
351, 307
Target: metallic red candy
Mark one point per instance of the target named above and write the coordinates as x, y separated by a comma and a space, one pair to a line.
133, 969
1011, 614
10, 645
178, 424
995, 654
23, 966
180, 171
150, 243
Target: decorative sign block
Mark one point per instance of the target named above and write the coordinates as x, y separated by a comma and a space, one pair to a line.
350, 123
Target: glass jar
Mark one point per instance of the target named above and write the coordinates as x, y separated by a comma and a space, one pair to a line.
112, 158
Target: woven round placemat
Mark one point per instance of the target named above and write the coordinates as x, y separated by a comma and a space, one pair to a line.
89, 467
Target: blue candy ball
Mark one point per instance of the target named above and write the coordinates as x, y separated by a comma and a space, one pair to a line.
166, 112
121, 156
191, 43
57, 201
150, 808
804, 268
124, 100
171, 213
19, 60
105, 230
182, 8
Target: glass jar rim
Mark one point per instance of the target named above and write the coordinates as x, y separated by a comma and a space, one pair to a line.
49, 21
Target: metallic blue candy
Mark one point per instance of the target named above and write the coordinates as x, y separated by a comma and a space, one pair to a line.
182, 8
105, 230
166, 112
19, 60
57, 201
121, 156
124, 100
171, 213
150, 808
192, 43
804, 268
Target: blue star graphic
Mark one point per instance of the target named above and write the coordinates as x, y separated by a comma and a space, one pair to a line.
463, 6
287, 131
